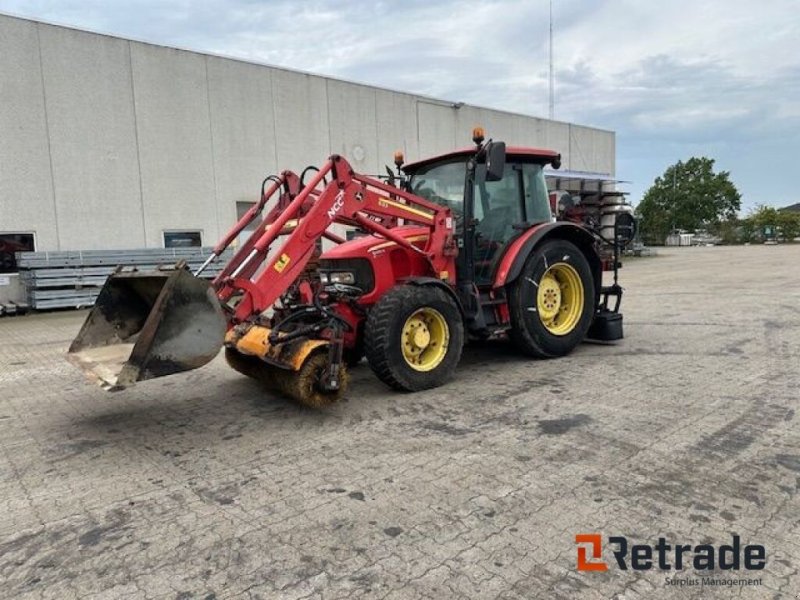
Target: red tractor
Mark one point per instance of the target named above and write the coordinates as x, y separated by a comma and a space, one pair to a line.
456, 247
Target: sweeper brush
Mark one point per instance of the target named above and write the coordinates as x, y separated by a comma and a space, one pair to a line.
300, 386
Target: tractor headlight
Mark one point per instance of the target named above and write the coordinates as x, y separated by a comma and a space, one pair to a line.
347, 271
346, 277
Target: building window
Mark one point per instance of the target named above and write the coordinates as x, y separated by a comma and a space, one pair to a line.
183, 239
10, 244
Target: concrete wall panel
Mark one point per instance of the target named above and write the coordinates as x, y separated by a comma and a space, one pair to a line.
496, 125
603, 158
174, 132
529, 132
302, 134
113, 141
607, 152
556, 137
92, 138
437, 128
467, 118
590, 150
353, 131
243, 132
396, 116
26, 185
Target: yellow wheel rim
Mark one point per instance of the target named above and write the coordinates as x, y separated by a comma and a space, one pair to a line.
425, 338
559, 299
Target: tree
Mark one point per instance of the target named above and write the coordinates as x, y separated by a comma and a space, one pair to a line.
690, 196
747, 231
785, 225
729, 231
789, 225
764, 216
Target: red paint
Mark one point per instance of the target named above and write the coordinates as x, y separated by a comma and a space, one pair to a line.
511, 253
512, 152
349, 199
275, 258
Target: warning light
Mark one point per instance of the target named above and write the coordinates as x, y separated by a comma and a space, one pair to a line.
478, 135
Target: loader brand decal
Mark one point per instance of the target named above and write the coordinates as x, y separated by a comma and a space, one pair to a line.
664, 556
386, 203
337, 205
379, 247
282, 262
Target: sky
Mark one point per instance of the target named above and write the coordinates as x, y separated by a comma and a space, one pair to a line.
717, 78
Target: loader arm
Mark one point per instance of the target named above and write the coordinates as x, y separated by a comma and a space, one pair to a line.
288, 184
348, 198
150, 324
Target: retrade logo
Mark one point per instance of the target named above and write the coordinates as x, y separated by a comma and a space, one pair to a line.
665, 556
595, 542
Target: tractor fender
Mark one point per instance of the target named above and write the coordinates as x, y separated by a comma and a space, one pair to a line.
432, 281
517, 253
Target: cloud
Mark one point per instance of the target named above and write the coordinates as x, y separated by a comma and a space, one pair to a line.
720, 77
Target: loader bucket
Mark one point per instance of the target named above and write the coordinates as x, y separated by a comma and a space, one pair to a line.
146, 325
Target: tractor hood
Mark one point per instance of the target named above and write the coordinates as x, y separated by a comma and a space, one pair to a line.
370, 243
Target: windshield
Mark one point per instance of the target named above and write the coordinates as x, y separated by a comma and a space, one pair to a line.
442, 183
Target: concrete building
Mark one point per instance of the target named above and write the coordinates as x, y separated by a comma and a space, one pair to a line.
108, 143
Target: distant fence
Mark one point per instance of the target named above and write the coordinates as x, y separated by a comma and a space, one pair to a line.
72, 279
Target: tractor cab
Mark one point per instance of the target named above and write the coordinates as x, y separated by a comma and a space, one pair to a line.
491, 208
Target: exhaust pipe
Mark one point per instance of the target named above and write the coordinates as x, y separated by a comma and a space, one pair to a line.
149, 324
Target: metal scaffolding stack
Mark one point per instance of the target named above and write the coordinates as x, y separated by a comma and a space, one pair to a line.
72, 279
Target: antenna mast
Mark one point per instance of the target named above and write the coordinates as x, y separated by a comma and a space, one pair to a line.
552, 77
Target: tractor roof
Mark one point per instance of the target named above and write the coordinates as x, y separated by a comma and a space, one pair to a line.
532, 154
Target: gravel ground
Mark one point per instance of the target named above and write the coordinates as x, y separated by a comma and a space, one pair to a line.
203, 485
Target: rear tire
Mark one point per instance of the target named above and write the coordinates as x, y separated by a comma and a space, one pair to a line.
413, 337
552, 302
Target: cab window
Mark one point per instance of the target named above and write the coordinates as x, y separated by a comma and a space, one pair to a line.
537, 201
497, 204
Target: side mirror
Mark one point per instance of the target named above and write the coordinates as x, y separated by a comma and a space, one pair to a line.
495, 160
390, 175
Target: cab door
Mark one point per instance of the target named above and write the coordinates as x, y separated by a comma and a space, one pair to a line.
503, 209
498, 207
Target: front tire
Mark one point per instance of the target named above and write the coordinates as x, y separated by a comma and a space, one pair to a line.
552, 301
413, 337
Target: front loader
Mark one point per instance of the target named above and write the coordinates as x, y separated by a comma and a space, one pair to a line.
455, 247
